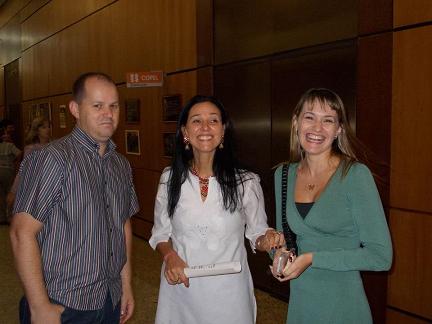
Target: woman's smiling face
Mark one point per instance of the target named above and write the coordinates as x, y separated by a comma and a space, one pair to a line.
317, 127
204, 127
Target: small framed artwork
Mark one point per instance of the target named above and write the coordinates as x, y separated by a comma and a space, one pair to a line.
168, 144
62, 116
132, 111
132, 142
44, 110
172, 106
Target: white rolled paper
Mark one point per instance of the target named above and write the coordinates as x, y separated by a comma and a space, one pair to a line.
214, 269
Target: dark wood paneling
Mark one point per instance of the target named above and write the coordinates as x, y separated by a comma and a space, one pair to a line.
2, 97
396, 317
411, 158
374, 98
204, 29
10, 41
246, 29
410, 280
244, 89
375, 16
332, 67
408, 12
13, 97
374, 86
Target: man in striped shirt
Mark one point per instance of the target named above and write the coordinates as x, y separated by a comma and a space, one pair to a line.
71, 233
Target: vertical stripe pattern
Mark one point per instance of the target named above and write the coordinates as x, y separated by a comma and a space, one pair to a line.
83, 200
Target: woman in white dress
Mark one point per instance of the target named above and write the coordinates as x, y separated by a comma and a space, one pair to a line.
204, 207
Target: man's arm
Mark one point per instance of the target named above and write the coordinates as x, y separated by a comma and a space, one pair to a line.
23, 232
127, 300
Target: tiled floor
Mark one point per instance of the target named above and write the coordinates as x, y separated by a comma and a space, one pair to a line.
146, 265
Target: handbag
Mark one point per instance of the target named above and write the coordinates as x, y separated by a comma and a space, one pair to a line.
290, 237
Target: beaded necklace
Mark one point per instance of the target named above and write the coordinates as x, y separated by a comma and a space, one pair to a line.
204, 182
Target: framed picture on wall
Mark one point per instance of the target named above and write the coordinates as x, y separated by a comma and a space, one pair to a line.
172, 105
168, 144
40, 110
62, 116
44, 110
132, 111
132, 139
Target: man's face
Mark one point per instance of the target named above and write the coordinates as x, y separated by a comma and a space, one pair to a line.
98, 112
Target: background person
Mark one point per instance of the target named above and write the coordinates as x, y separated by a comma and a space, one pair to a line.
37, 137
334, 208
9, 155
204, 207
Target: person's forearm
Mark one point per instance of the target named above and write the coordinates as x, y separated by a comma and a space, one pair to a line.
165, 249
28, 263
126, 273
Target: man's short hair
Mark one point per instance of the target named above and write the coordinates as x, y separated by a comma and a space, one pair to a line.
78, 88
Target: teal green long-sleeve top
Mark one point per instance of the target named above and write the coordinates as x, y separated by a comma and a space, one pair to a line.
347, 232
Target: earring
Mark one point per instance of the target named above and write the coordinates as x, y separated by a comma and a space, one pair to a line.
221, 143
186, 143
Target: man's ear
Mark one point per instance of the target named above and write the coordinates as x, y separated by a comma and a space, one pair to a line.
73, 108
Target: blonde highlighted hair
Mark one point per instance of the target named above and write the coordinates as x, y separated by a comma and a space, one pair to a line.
32, 135
345, 145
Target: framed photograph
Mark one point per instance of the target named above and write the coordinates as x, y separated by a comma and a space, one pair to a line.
62, 116
172, 106
132, 111
40, 110
44, 110
168, 144
132, 142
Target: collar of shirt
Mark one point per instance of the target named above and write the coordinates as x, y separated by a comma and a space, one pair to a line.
89, 143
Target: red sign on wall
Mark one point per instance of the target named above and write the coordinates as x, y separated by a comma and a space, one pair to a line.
144, 79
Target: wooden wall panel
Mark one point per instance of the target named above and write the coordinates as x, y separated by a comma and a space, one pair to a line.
204, 28
10, 9
31, 7
10, 39
408, 12
395, 317
2, 94
165, 40
374, 16
411, 115
150, 112
374, 98
410, 281
56, 15
247, 29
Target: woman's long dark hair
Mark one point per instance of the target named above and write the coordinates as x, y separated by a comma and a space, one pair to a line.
225, 166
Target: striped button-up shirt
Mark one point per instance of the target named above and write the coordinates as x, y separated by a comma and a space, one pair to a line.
83, 201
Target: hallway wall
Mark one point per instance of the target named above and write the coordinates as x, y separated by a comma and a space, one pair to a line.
57, 40
258, 51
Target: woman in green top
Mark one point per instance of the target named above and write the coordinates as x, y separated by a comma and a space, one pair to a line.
334, 209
